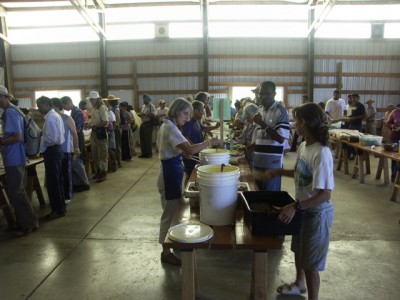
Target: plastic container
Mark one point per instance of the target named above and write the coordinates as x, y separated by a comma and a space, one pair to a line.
214, 156
218, 194
260, 217
370, 140
218, 203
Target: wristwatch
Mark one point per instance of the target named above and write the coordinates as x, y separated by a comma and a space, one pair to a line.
297, 206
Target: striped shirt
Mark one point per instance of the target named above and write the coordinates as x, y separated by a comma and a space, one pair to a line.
268, 153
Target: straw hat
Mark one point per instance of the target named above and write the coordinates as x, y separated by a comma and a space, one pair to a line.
370, 101
110, 98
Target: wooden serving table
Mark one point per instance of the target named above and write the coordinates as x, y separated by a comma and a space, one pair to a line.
362, 157
32, 184
228, 237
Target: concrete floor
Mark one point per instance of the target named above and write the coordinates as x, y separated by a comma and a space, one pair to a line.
106, 247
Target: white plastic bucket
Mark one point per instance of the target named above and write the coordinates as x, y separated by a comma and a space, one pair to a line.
215, 170
218, 203
214, 181
214, 156
218, 194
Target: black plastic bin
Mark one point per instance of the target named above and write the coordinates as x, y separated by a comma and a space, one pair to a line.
262, 222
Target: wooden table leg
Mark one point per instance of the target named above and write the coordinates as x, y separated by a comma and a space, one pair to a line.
33, 184
396, 187
339, 166
6, 207
380, 168
345, 159
385, 170
258, 288
367, 163
189, 274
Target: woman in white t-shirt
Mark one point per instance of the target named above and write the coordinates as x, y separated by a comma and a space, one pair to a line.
171, 144
313, 177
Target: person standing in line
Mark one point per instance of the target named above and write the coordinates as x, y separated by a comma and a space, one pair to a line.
113, 101
370, 112
314, 183
393, 124
112, 145
98, 138
146, 129
248, 131
161, 114
385, 129
355, 120
194, 131
135, 129
80, 181
336, 107
14, 158
126, 150
172, 144
271, 136
82, 107
51, 148
70, 148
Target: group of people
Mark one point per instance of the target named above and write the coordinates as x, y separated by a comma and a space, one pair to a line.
267, 137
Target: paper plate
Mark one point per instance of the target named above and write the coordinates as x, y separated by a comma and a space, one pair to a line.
190, 233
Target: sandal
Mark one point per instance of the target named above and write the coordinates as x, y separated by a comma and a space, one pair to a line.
290, 289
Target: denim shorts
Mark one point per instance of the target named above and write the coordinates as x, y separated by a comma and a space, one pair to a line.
313, 242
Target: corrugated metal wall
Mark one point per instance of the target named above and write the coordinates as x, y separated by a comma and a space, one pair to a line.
38, 67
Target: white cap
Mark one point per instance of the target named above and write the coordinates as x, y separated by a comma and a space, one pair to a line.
4, 91
94, 95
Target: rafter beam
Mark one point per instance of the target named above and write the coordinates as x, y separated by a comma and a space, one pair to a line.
99, 4
85, 14
326, 8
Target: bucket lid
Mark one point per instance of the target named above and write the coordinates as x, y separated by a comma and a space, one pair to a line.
190, 233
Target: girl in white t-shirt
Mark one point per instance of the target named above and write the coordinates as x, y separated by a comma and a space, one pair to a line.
313, 177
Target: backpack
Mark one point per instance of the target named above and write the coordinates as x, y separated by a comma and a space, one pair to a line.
32, 134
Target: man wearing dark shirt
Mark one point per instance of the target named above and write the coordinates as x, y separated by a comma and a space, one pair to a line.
357, 113
355, 120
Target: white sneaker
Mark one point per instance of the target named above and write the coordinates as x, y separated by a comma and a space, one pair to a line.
67, 201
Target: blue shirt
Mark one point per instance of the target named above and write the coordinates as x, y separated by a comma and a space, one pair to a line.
193, 131
13, 154
79, 119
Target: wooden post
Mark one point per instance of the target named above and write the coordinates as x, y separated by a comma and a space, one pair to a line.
221, 120
188, 275
258, 288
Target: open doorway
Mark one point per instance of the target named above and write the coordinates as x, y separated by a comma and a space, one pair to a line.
239, 92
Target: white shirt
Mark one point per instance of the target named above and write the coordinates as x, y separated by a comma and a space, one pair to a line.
111, 116
168, 137
53, 130
335, 108
313, 170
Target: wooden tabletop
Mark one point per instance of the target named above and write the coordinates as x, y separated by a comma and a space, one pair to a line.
235, 236
376, 150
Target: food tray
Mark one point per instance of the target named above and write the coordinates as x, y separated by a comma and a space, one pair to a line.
370, 140
260, 221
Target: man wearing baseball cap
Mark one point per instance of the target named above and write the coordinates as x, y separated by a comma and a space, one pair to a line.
13, 152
